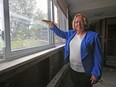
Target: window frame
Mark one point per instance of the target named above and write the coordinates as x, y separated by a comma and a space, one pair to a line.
7, 53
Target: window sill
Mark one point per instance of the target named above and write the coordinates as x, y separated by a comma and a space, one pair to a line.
32, 59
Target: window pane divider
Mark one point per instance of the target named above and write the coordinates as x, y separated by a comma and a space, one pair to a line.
7, 48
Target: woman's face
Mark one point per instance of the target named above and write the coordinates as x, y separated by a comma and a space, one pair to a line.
79, 23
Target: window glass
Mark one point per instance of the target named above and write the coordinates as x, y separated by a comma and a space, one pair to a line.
26, 28
58, 40
56, 15
1, 26
61, 22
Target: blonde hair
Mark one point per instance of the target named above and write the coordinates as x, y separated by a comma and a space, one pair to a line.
86, 24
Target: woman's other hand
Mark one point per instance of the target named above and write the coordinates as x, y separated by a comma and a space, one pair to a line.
50, 23
93, 79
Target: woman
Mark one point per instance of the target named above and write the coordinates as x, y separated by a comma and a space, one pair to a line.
84, 50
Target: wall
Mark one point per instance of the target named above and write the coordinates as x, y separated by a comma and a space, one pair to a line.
107, 29
63, 5
34, 75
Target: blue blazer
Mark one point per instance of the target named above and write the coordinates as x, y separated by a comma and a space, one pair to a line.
91, 52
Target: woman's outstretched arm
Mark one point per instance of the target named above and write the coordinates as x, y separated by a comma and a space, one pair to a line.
55, 29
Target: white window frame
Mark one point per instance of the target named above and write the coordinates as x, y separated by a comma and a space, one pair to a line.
7, 53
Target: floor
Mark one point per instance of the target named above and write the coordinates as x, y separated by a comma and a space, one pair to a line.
108, 79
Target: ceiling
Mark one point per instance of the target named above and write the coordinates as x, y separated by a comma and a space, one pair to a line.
93, 9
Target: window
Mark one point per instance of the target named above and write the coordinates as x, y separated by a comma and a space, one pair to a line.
56, 20
22, 27
61, 22
58, 40
21, 30
1, 28
26, 28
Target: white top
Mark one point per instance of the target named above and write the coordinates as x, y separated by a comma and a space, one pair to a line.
75, 55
